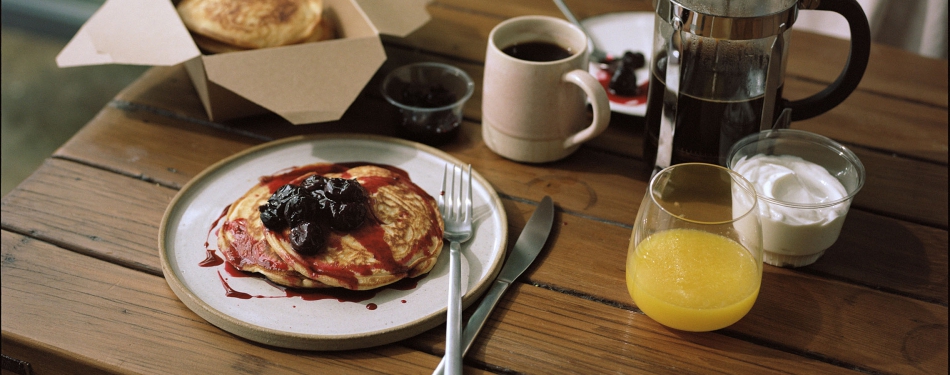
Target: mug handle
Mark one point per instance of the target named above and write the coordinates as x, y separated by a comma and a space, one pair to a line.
849, 78
599, 102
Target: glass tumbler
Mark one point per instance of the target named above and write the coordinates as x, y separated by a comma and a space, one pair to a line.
695, 257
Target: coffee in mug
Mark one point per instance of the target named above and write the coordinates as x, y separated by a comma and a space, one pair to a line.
537, 51
536, 88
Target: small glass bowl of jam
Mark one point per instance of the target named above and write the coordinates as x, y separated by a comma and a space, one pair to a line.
430, 97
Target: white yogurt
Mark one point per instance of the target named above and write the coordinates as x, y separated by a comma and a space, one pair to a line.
796, 218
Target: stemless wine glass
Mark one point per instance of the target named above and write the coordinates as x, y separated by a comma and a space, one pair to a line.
695, 256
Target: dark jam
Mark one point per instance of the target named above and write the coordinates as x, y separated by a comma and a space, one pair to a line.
623, 78
619, 79
313, 208
316, 294
211, 259
433, 119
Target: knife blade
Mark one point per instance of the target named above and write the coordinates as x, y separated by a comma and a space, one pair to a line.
526, 249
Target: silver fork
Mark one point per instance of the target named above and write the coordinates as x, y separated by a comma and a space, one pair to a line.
455, 204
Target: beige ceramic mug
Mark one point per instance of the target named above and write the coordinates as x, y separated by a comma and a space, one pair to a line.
534, 98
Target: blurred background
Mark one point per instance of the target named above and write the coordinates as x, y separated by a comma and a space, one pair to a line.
44, 105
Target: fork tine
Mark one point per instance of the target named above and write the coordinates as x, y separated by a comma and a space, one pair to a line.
455, 199
460, 191
468, 201
445, 176
453, 195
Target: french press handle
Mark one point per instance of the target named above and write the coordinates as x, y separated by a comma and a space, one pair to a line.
848, 80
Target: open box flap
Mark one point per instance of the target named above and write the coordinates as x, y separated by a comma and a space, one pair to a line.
310, 82
141, 32
304, 83
318, 88
396, 18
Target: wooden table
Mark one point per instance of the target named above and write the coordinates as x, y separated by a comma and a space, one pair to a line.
83, 290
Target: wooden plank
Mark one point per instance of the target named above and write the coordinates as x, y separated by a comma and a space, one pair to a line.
887, 115
581, 8
875, 251
91, 211
870, 248
808, 312
876, 303
880, 123
591, 188
42, 358
903, 188
184, 149
891, 72
892, 260
59, 299
153, 147
546, 332
89, 296
875, 118
460, 28
866, 119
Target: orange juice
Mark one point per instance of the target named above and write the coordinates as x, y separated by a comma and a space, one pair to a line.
693, 280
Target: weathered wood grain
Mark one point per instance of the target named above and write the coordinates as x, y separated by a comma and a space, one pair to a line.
609, 184
79, 237
89, 296
571, 248
460, 28
59, 299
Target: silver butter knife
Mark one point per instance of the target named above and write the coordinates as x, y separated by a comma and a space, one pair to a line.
527, 248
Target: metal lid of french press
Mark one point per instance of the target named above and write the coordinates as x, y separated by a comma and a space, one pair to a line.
702, 22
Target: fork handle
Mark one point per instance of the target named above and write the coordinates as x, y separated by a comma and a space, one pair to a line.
453, 329
478, 319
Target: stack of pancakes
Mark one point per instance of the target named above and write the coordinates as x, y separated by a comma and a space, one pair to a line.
401, 237
237, 25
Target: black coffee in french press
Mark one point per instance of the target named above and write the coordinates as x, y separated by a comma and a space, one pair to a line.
717, 74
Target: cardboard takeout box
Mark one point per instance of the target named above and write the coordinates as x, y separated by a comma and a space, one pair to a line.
303, 83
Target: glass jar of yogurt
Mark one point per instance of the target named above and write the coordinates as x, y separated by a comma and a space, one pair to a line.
804, 183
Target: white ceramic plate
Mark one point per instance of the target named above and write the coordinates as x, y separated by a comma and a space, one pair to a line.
616, 33
326, 324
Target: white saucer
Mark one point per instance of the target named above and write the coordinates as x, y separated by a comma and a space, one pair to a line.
616, 33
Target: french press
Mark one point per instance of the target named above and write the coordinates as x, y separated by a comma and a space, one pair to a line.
718, 70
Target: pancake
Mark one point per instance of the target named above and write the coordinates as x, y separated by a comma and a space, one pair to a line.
242, 242
209, 45
400, 237
233, 25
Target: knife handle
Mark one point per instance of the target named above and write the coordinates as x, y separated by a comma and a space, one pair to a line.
478, 318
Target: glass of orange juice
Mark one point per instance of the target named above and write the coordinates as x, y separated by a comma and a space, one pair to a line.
695, 256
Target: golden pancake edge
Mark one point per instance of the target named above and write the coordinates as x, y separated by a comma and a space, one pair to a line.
235, 25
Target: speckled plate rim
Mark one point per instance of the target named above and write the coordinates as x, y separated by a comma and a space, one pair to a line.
189, 281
